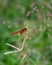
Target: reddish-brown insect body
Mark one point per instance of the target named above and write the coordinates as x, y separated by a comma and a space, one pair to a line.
20, 31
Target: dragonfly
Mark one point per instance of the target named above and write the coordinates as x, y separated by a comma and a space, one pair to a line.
21, 31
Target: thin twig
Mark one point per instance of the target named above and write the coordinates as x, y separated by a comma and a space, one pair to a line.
13, 46
24, 57
12, 52
18, 49
23, 44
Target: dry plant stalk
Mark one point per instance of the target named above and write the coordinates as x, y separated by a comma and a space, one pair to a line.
17, 49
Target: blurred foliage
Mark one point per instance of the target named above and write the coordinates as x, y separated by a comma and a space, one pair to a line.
36, 15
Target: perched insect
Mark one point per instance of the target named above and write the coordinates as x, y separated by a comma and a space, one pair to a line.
22, 31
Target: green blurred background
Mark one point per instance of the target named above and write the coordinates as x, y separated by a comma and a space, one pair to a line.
36, 15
